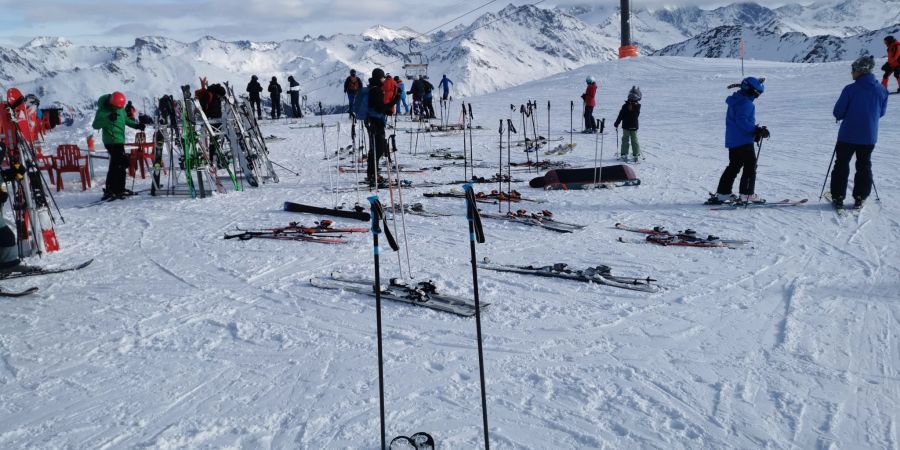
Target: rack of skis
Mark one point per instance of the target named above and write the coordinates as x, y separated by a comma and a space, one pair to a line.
208, 154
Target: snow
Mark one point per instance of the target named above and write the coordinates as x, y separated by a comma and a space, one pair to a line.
176, 338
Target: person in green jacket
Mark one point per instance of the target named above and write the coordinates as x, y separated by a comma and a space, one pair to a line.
111, 118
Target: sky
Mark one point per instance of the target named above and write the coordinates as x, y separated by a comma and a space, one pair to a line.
89, 22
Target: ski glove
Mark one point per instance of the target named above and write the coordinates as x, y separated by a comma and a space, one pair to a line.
113, 116
760, 133
141, 126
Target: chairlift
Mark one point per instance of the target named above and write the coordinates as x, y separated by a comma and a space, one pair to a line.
416, 63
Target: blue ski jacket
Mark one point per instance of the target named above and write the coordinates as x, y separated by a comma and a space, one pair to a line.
740, 120
860, 106
445, 84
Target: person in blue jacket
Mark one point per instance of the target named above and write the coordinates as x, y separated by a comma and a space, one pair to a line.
445, 87
741, 131
859, 108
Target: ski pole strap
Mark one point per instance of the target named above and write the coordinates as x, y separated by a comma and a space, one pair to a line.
472, 215
501, 129
378, 219
509, 124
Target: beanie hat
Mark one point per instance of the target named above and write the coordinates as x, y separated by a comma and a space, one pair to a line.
377, 74
889, 40
634, 94
864, 64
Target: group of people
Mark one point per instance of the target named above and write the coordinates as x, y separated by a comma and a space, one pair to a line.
627, 118
422, 92
254, 89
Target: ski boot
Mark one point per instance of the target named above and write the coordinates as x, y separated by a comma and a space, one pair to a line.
720, 199
858, 202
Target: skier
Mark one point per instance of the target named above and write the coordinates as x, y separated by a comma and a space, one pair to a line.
9, 249
892, 66
628, 117
590, 125
401, 86
389, 88
859, 108
111, 118
275, 97
294, 89
445, 87
351, 87
254, 89
741, 131
418, 92
375, 124
428, 98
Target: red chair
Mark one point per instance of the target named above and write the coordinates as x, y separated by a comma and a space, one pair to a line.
69, 159
45, 162
138, 157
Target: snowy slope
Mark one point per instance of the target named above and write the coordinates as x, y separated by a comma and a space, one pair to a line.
175, 338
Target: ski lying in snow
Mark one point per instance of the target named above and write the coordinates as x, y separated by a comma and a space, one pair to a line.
687, 235
544, 219
28, 291
729, 205
405, 184
420, 294
32, 271
357, 212
418, 441
496, 178
599, 274
419, 210
323, 226
587, 186
493, 196
286, 236
667, 241
561, 149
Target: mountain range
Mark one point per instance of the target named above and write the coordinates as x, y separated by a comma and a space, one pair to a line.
496, 51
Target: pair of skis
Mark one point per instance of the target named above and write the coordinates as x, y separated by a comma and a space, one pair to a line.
599, 274
686, 238
420, 294
322, 232
718, 205
543, 219
31, 271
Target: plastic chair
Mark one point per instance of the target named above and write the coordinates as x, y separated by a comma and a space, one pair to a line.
45, 162
69, 159
138, 157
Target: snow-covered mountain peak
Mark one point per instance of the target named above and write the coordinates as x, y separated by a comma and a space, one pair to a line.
392, 34
48, 41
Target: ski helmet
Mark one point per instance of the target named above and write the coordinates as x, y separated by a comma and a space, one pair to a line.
634, 94
752, 85
352, 71
254, 78
117, 100
589, 79
377, 74
889, 40
863, 64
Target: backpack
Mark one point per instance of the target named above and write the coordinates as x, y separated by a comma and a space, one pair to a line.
361, 106
353, 84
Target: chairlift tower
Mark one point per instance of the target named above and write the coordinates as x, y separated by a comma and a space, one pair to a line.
627, 49
416, 63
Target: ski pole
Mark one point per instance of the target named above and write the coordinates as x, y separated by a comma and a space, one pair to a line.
500, 168
509, 128
377, 219
617, 141
877, 198
525, 135
602, 126
465, 154
402, 207
532, 108
322, 123
476, 233
571, 120
471, 139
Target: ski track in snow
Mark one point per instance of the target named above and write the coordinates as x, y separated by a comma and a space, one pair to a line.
176, 338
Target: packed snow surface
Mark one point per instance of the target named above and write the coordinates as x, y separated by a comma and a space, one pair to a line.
176, 338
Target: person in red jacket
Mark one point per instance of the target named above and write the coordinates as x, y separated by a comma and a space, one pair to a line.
590, 101
389, 88
892, 66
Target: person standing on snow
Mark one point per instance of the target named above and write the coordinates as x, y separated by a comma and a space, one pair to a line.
111, 118
275, 97
389, 88
892, 66
589, 98
445, 87
741, 131
294, 89
418, 93
376, 122
859, 108
428, 98
351, 86
401, 87
254, 89
628, 117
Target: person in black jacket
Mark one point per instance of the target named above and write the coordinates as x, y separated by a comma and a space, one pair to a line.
352, 85
294, 89
418, 93
254, 89
428, 98
275, 97
375, 124
628, 117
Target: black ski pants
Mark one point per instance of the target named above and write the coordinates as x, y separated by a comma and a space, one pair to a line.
741, 160
118, 166
589, 122
258, 104
377, 146
862, 181
295, 105
276, 107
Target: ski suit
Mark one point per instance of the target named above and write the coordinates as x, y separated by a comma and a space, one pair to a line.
294, 89
402, 87
418, 93
375, 124
628, 117
445, 87
428, 99
589, 97
275, 97
893, 64
254, 89
859, 108
113, 121
351, 87
740, 125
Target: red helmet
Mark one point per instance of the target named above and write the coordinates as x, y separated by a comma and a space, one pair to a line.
117, 100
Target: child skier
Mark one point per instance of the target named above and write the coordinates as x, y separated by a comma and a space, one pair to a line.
590, 101
741, 131
628, 117
111, 118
